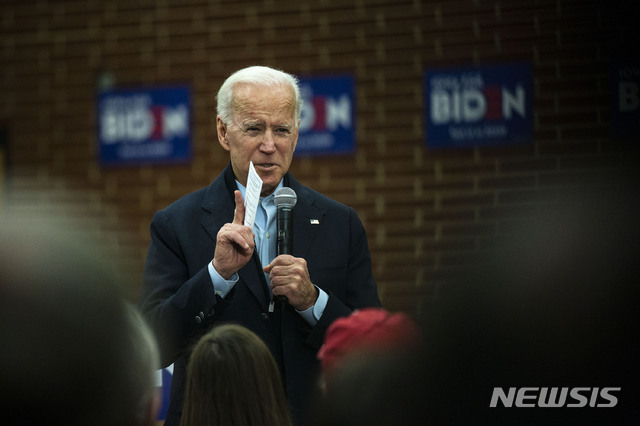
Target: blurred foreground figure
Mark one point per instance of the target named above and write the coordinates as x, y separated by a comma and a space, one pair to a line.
367, 332
544, 330
73, 352
370, 371
233, 380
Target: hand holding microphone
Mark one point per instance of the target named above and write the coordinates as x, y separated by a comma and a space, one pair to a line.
290, 281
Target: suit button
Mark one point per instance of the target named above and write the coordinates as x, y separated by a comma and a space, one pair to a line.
264, 317
198, 319
212, 312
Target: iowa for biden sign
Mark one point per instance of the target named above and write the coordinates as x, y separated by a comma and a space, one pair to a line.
146, 125
478, 106
327, 124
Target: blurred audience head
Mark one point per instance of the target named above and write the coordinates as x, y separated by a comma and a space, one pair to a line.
369, 330
371, 372
144, 361
233, 379
73, 351
553, 304
373, 389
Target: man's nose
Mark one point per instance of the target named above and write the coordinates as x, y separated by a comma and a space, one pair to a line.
268, 144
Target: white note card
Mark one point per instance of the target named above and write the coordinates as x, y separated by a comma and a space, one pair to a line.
252, 196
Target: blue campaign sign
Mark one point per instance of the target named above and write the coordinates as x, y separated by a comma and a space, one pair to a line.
478, 106
146, 125
625, 102
327, 117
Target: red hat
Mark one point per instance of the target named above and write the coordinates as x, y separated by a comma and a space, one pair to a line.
364, 329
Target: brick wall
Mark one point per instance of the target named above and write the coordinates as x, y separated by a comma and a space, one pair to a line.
426, 212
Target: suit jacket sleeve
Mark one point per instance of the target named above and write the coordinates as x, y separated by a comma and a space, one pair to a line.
177, 301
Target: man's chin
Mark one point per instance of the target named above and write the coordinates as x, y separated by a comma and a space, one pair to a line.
267, 190
269, 181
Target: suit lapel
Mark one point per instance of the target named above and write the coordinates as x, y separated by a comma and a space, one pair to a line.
307, 216
218, 204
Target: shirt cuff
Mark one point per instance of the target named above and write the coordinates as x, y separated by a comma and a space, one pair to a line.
221, 286
313, 314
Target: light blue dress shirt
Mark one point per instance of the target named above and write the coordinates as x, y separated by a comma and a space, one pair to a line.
264, 229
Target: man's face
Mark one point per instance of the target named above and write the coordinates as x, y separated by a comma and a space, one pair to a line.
264, 129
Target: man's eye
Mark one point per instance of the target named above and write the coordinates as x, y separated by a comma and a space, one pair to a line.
283, 130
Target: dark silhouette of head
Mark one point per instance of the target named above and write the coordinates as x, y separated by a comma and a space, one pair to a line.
73, 351
553, 303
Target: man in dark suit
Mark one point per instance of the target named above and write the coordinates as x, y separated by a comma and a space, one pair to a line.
205, 267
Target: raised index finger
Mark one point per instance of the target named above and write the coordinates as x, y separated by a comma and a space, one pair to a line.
238, 214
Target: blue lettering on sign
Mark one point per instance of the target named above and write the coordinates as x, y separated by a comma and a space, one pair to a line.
327, 116
145, 125
478, 106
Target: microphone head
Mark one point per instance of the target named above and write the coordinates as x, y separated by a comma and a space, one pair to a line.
285, 197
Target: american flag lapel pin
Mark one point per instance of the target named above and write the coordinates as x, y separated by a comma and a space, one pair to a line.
314, 221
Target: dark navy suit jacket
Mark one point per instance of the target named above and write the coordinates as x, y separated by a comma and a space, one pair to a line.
179, 301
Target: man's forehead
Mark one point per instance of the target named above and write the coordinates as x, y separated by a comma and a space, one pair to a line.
248, 90
259, 121
252, 111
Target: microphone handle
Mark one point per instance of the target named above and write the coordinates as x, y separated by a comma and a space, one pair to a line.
284, 242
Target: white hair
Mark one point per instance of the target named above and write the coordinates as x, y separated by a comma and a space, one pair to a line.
258, 75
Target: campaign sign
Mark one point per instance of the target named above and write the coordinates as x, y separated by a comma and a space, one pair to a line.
327, 118
478, 106
138, 126
625, 108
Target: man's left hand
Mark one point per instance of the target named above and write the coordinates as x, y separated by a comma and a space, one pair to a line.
290, 277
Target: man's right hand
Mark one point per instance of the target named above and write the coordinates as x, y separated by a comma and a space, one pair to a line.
235, 243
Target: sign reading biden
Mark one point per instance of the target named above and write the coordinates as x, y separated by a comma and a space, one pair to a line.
625, 90
139, 126
327, 116
478, 106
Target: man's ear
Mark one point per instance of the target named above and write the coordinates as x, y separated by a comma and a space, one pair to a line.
222, 133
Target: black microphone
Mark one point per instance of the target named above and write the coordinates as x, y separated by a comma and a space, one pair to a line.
285, 199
